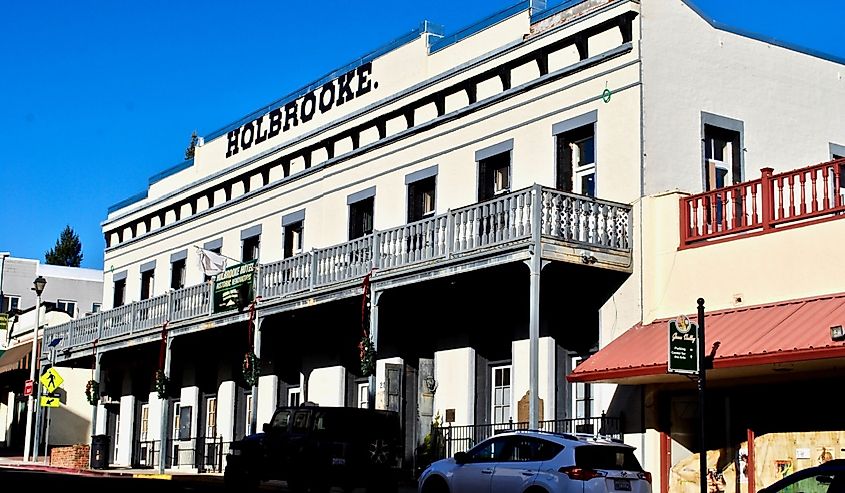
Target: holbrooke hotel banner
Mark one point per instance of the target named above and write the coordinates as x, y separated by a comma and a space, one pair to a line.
234, 287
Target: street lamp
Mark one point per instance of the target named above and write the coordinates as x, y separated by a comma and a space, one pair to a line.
38, 287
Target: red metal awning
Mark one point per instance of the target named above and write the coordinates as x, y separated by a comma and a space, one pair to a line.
778, 333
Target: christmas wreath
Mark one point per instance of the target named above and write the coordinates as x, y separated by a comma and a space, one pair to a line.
161, 384
368, 356
92, 392
250, 369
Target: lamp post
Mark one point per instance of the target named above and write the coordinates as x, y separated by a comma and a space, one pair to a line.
38, 284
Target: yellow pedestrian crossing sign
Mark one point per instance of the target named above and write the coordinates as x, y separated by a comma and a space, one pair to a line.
51, 380
50, 401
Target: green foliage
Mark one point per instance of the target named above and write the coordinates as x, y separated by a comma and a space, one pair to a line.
68, 250
161, 383
189, 152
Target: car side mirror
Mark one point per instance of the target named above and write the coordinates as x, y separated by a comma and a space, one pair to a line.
461, 458
266, 427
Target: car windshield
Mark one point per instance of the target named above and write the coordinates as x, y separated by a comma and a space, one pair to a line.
606, 457
281, 419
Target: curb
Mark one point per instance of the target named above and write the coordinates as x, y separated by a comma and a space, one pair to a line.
82, 472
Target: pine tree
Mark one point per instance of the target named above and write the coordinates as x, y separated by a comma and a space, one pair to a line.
189, 152
68, 250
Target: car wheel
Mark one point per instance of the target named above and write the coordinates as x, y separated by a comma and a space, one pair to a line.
435, 484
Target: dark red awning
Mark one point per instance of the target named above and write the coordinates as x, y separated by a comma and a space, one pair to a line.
777, 333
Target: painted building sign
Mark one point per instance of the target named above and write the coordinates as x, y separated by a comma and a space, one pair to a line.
235, 286
337, 92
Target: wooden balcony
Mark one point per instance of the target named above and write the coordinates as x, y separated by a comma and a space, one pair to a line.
569, 228
772, 202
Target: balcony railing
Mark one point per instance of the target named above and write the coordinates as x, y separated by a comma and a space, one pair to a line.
505, 220
764, 205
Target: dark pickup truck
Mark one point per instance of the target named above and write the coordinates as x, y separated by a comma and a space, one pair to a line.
313, 448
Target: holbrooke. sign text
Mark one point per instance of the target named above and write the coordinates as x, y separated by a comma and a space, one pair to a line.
333, 93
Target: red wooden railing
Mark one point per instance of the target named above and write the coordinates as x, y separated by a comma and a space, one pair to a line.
773, 201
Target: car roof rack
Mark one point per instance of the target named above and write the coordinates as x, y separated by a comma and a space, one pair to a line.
573, 436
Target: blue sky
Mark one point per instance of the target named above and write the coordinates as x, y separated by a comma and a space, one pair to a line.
97, 96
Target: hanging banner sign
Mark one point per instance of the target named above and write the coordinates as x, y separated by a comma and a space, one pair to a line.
683, 346
234, 287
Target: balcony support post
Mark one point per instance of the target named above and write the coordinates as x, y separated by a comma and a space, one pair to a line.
371, 383
162, 429
256, 348
535, 265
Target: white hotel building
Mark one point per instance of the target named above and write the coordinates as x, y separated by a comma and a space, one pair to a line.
516, 181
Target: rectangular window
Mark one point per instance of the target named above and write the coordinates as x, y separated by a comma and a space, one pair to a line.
176, 412
177, 274
501, 394
116, 436
722, 157
361, 218
363, 395
67, 306
145, 422
249, 248
10, 302
293, 239
494, 176
96, 307
576, 160
211, 417
583, 396
421, 199
294, 395
119, 293
248, 419
147, 280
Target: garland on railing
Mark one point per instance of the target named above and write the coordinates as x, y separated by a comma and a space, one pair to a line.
161, 380
366, 348
251, 364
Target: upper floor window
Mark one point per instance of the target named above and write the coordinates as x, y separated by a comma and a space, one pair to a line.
250, 242
421, 199
293, 239
119, 291
361, 212
67, 306
147, 281
10, 302
178, 269
96, 307
177, 274
575, 154
722, 139
494, 170
837, 151
293, 225
421, 193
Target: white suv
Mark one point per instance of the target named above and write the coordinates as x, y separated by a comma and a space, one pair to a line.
539, 462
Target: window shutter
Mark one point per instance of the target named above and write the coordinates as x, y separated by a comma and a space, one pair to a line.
394, 387
564, 164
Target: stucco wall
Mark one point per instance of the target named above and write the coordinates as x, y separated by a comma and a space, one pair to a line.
520, 375
327, 386
784, 98
454, 371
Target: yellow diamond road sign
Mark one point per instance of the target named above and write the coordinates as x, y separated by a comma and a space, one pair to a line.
49, 401
51, 380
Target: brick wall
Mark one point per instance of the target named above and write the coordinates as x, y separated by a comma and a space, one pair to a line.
74, 456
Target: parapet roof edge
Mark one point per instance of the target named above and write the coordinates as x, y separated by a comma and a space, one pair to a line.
760, 37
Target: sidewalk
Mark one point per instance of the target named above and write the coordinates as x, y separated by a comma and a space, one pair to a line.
19, 463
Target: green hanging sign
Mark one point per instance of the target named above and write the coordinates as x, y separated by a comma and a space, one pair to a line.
683, 346
234, 288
